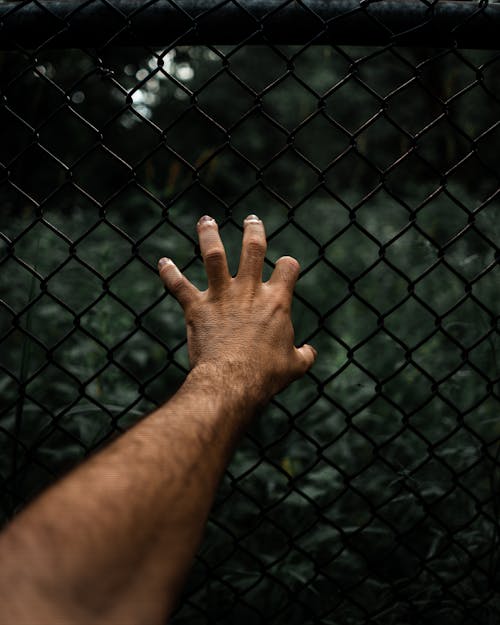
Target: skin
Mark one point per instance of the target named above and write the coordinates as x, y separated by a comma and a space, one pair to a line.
112, 542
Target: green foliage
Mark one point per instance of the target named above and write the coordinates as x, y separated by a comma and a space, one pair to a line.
367, 488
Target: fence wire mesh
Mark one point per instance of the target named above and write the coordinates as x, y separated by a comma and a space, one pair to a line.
367, 492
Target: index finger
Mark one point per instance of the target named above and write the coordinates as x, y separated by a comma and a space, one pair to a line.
285, 276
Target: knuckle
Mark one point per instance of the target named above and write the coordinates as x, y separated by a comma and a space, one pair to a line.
176, 284
215, 254
256, 246
281, 306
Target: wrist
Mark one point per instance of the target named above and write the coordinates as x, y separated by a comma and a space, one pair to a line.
229, 383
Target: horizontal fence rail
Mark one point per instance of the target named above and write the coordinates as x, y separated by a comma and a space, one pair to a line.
96, 23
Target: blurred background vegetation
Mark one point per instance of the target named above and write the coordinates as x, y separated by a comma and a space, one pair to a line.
367, 492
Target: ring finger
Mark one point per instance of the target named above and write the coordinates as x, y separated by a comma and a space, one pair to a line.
213, 253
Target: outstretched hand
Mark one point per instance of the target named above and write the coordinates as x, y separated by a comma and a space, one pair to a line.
241, 324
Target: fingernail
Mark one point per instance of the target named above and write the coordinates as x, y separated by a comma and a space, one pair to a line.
252, 218
163, 261
206, 219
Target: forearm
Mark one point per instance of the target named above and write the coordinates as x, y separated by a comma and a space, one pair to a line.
112, 542
130, 519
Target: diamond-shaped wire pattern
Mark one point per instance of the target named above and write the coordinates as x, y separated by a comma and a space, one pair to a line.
369, 491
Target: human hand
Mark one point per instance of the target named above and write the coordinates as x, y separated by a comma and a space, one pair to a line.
241, 324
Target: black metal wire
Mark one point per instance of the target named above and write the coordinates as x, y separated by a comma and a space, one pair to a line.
358, 500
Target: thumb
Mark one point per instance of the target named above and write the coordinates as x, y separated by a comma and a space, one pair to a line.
307, 354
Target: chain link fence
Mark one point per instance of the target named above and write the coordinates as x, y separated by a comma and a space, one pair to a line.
366, 135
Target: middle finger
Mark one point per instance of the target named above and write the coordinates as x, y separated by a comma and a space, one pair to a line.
253, 249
